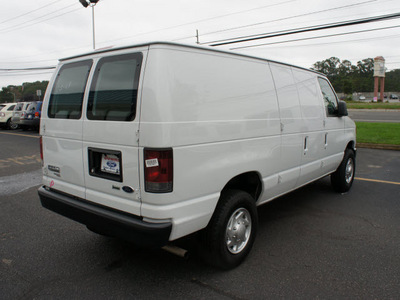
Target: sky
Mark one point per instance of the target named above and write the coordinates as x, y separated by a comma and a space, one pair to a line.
36, 34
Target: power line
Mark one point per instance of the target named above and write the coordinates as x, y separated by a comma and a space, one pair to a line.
22, 25
304, 29
286, 18
29, 12
315, 37
24, 75
343, 42
204, 20
29, 69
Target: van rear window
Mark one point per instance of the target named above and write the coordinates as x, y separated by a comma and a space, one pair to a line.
69, 87
114, 88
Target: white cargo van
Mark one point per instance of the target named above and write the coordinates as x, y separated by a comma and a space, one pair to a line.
157, 141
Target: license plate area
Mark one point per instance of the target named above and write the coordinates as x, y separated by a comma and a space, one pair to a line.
105, 164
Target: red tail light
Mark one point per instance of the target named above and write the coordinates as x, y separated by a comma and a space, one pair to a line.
41, 148
37, 115
158, 170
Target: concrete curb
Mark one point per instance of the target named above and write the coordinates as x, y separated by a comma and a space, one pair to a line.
378, 146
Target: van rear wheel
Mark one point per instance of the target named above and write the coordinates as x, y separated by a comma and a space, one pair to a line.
343, 177
230, 235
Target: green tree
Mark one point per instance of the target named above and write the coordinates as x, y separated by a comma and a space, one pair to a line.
29, 90
392, 81
348, 78
6, 95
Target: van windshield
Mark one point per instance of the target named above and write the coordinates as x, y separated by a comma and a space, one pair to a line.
68, 90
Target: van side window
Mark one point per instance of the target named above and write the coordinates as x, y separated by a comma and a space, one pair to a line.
330, 100
114, 88
69, 87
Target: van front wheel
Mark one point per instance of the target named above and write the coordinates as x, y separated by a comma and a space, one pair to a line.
229, 236
343, 177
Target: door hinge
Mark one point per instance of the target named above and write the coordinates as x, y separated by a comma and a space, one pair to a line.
137, 136
138, 195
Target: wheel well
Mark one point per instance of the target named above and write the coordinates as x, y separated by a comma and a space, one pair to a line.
351, 145
248, 182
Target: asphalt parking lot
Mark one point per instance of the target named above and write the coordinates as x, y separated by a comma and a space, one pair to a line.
312, 243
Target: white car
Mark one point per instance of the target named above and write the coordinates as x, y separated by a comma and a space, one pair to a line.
154, 142
6, 113
18, 112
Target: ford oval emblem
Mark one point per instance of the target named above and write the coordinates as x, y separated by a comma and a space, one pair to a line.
127, 189
111, 164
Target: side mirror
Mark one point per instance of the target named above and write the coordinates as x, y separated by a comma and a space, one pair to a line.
342, 109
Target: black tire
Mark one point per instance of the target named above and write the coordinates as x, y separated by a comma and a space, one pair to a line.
11, 125
343, 177
220, 250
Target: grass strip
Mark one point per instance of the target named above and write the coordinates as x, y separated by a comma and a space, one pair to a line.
363, 105
378, 133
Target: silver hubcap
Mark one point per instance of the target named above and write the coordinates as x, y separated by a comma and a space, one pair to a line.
238, 231
349, 170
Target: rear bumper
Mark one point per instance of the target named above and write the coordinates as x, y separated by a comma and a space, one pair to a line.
29, 122
106, 220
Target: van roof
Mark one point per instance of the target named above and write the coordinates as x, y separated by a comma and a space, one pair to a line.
148, 44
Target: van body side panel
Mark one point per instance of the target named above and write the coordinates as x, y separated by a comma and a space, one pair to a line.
220, 115
206, 97
291, 125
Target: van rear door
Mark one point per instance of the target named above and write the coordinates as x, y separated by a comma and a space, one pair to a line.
61, 129
110, 133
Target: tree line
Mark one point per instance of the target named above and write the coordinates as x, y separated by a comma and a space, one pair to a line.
24, 92
348, 78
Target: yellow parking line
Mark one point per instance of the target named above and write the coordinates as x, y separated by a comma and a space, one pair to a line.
375, 180
32, 136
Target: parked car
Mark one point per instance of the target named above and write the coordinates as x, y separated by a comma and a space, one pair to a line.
6, 113
30, 118
168, 140
361, 97
18, 110
393, 96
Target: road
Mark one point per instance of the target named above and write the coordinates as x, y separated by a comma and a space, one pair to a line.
312, 243
376, 116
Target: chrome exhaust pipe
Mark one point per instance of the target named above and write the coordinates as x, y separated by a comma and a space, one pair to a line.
176, 251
